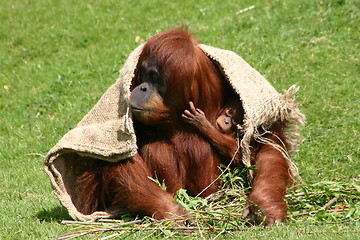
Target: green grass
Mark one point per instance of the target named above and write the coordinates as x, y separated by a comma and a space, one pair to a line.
58, 57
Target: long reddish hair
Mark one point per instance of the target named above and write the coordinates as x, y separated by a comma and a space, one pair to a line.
176, 152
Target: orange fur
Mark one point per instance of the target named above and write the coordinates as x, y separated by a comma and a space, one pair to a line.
270, 180
172, 150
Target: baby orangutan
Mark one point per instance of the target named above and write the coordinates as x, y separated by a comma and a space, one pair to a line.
222, 137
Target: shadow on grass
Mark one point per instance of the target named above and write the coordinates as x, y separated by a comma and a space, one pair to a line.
56, 214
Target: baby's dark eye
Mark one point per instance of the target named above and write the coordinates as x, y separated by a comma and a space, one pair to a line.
229, 112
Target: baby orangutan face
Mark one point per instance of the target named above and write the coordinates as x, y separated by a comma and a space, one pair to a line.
226, 122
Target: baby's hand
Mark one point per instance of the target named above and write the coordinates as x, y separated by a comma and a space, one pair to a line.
194, 116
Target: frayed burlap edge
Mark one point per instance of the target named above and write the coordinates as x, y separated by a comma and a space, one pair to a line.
263, 105
106, 132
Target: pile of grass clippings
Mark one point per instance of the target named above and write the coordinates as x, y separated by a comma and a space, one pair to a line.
319, 203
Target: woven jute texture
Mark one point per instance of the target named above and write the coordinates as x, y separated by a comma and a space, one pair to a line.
106, 132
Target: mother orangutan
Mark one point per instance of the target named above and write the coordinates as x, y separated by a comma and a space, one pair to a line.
172, 71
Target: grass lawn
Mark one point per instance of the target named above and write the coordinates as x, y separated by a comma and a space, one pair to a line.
58, 57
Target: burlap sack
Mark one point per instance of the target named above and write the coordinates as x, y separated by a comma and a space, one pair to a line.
106, 132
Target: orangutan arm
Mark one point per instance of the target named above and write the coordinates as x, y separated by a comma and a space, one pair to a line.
225, 144
270, 181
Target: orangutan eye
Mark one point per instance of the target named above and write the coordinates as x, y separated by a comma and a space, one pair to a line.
154, 74
229, 112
